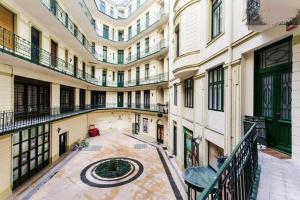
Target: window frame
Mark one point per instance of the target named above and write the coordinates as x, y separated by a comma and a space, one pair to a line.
212, 105
216, 6
189, 93
175, 94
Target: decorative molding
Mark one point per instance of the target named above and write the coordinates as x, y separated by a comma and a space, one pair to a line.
214, 39
6, 74
185, 6
199, 76
296, 40
186, 54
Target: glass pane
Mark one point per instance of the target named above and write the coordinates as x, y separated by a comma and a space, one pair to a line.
33, 132
40, 129
23, 158
46, 127
267, 96
16, 162
24, 170
25, 135
32, 143
46, 137
277, 55
24, 146
16, 137
46, 146
40, 159
286, 95
40, 149
16, 150
219, 96
32, 164
46, 156
15, 174
40, 140
32, 153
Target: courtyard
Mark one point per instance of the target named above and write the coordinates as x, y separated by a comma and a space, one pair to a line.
64, 180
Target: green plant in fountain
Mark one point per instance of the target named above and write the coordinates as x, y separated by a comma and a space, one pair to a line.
113, 168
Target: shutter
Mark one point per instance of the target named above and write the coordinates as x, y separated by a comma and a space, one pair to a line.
6, 22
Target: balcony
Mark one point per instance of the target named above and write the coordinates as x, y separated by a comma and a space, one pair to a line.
15, 120
236, 177
262, 15
18, 47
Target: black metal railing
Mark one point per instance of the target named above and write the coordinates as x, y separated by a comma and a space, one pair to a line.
236, 176
253, 17
20, 118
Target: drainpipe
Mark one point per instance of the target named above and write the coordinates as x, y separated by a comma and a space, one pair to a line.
228, 137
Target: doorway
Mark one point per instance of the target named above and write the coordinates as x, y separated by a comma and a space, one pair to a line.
35, 45
160, 132
120, 99
273, 88
75, 64
120, 79
53, 53
62, 143
175, 140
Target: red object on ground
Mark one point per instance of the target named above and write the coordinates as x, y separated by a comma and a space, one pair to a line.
94, 132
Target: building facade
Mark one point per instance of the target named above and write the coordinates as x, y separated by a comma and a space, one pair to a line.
223, 68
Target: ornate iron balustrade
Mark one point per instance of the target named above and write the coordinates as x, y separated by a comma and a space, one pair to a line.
21, 118
97, 3
253, 17
134, 32
15, 45
87, 13
235, 178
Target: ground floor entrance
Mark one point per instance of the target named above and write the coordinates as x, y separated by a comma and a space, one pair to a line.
62, 143
160, 132
273, 92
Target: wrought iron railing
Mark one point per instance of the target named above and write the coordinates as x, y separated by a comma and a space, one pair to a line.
21, 48
253, 17
20, 118
134, 32
235, 178
97, 2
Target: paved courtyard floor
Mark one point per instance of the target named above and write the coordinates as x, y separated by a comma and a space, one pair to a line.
279, 179
154, 183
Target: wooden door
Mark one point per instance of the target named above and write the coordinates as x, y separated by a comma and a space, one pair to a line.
6, 28
53, 54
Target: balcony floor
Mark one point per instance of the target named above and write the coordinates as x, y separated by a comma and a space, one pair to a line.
279, 178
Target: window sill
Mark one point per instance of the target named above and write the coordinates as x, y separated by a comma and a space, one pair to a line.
214, 39
215, 110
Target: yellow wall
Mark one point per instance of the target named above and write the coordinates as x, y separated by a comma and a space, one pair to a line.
5, 166
76, 127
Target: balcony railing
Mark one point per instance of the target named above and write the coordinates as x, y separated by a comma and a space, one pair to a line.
134, 32
97, 2
87, 13
18, 119
253, 7
236, 176
14, 45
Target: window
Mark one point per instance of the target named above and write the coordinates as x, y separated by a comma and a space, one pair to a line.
147, 20
147, 99
177, 40
114, 74
102, 6
188, 93
104, 53
93, 71
98, 99
120, 56
129, 100
105, 31
67, 98
138, 26
138, 53
66, 58
129, 54
216, 89
111, 11
145, 125
147, 71
147, 45
175, 94
138, 99
129, 32
138, 3
216, 18
121, 35
83, 69
104, 75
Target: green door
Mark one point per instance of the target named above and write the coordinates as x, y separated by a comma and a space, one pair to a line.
273, 92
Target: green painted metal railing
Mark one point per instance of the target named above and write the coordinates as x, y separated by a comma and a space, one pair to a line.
234, 180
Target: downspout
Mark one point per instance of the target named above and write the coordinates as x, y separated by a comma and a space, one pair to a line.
229, 80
